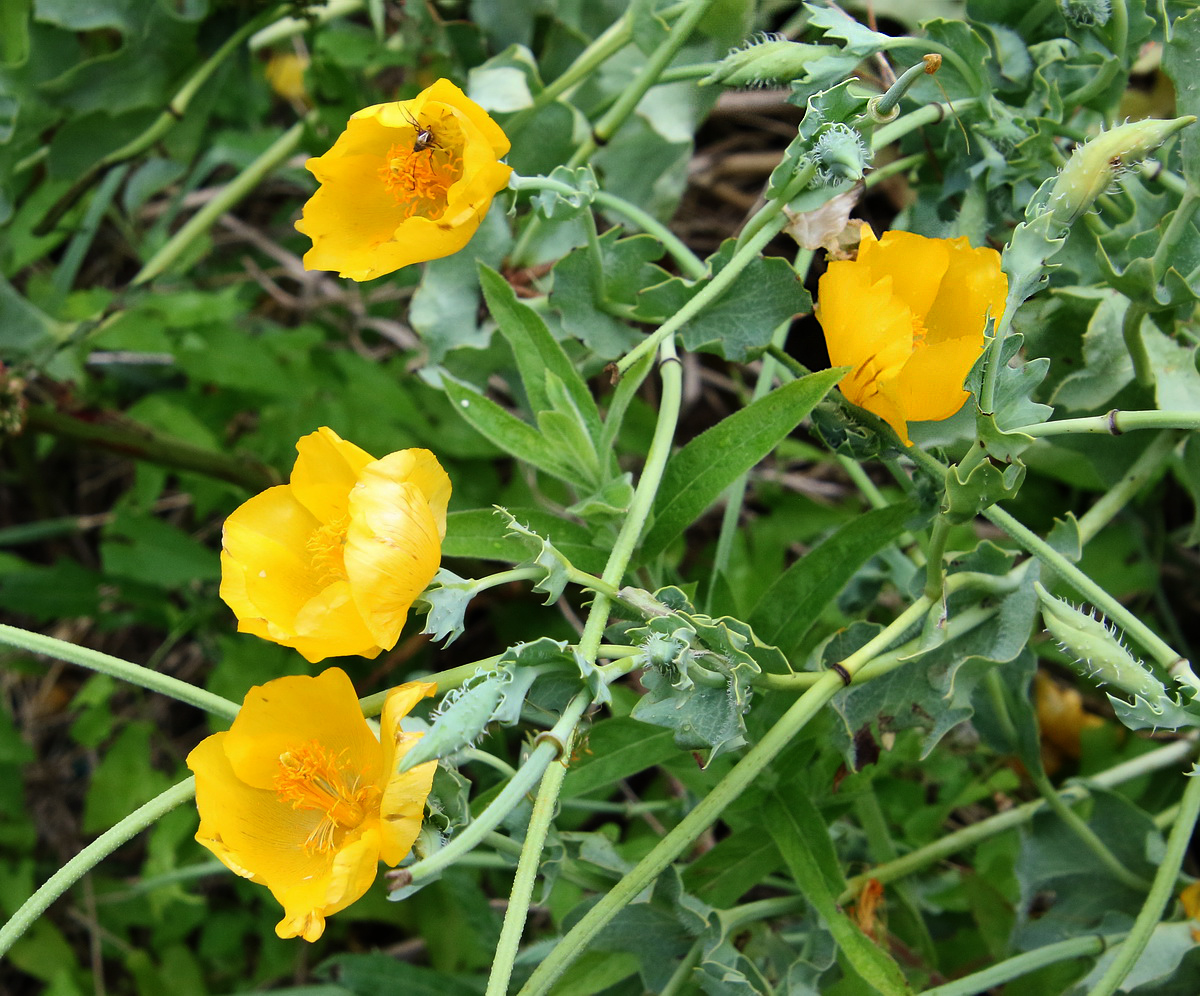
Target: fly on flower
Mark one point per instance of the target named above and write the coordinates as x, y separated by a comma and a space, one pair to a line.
405, 182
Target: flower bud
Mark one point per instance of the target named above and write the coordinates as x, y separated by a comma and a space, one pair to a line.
764, 60
1097, 651
1086, 13
840, 154
1094, 165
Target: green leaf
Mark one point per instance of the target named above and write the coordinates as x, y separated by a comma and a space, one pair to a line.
803, 840
698, 473
1181, 62
370, 974
124, 779
1176, 381
515, 437
722, 875
616, 749
24, 330
536, 350
765, 294
795, 601
480, 533
702, 717
14, 32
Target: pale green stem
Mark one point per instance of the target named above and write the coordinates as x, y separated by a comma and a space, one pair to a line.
688, 261
709, 809
1114, 423
929, 114
883, 106
548, 749
1135, 343
1153, 169
1144, 468
115, 667
901, 165
526, 874
1023, 964
230, 194
1181, 223
288, 27
505, 577
950, 55
992, 826
935, 558
1164, 884
89, 857
1137, 630
683, 971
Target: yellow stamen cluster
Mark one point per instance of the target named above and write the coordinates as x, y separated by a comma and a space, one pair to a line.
419, 179
312, 777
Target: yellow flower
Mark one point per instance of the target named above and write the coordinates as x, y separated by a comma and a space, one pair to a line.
908, 316
331, 562
405, 182
298, 795
285, 73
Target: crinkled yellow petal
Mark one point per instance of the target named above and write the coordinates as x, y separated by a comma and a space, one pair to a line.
403, 805
295, 710
306, 904
865, 324
330, 625
930, 387
267, 538
392, 550
325, 470
445, 92
973, 286
420, 468
233, 592
915, 263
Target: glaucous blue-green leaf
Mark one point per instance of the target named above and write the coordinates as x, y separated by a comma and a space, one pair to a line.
547, 557
741, 321
1168, 945
967, 72
695, 476
702, 717
447, 598
460, 718
479, 533
1107, 366
1176, 382
1181, 62
796, 599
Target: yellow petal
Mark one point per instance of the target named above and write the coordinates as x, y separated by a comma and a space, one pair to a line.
325, 470
445, 92
421, 469
267, 537
915, 263
930, 385
403, 806
973, 287
392, 550
295, 710
330, 625
306, 904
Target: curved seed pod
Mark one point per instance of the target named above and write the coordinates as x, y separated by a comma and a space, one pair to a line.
460, 718
1097, 651
765, 60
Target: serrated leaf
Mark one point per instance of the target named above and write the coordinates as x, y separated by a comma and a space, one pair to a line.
698, 473
1162, 713
447, 598
796, 599
984, 485
700, 716
480, 533
1181, 62
460, 718
547, 557
1107, 366
741, 321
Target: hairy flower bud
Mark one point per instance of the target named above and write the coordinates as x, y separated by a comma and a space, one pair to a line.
840, 153
764, 60
1094, 165
1086, 13
1097, 651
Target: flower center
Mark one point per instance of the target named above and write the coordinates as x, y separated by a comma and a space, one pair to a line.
918, 331
419, 171
311, 777
326, 551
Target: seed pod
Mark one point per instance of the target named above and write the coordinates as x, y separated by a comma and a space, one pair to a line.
1094, 165
460, 719
765, 60
1097, 652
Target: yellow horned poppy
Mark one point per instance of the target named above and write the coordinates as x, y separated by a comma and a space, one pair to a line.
331, 562
908, 317
405, 182
299, 795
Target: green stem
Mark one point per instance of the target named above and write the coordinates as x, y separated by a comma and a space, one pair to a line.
901, 165
316, 14
527, 869
691, 264
1153, 169
85, 233
547, 750
929, 114
162, 124
123, 436
992, 826
935, 559
1086, 835
1113, 609
1114, 423
683, 971
1181, 222
90, 857
950, 55
883, 107
1144, 468
230, 194
1023, 964
1164, 883
709, 809
115, 667
1131, 330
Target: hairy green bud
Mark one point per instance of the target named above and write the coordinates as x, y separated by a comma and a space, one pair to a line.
1093, 166
1096, 649
765, 60
460, 718
1086, 13
840, 153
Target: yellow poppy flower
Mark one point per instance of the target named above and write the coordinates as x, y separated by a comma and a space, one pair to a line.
331, 562
299, 795
285, 74
405, 182
908, 316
